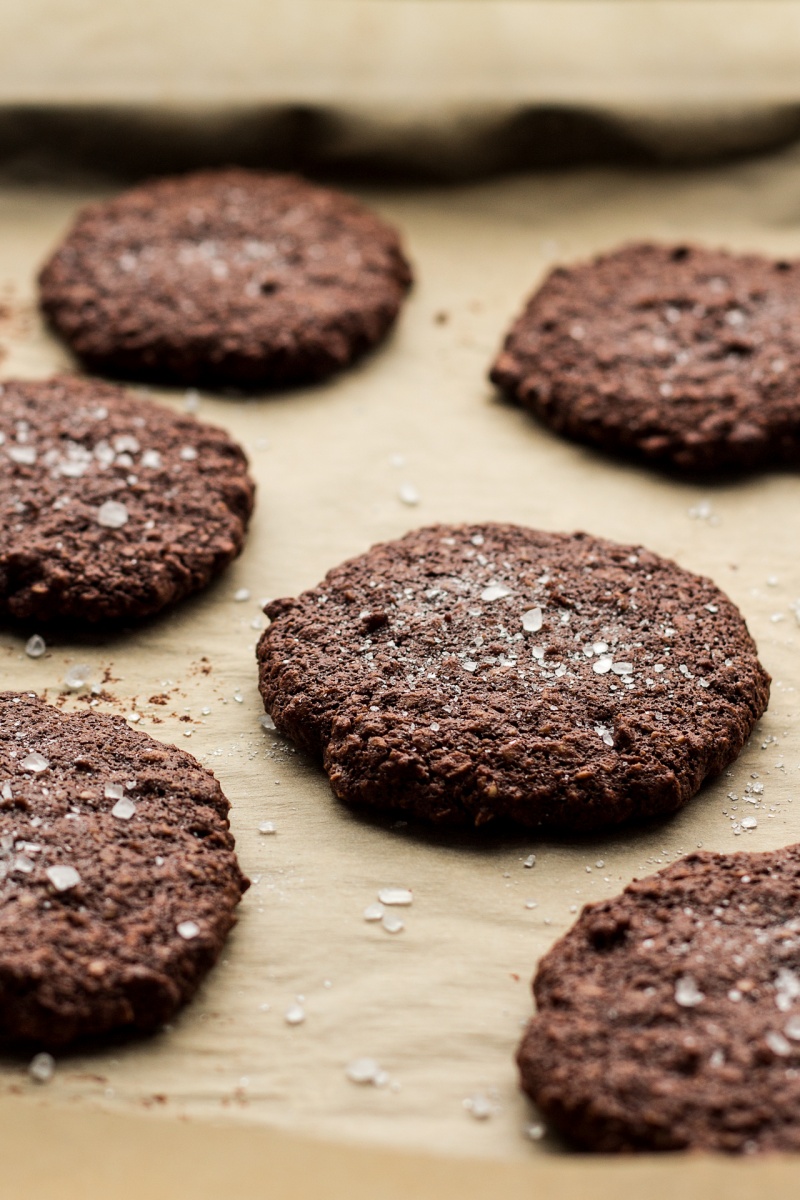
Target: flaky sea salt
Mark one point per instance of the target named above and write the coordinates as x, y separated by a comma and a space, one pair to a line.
294, 1015
777, 1043
188, 930
63, 879
602, 666
241, 595
495, 591
395, 895
124, 809
35, 646
479, 1106
77, 676
687, 993
532, 620
267, 722
35, 762
112, 515
364, 1070
392, 924
42, 1068
267, 827
408, 494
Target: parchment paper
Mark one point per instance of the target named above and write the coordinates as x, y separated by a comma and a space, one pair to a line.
441, 1004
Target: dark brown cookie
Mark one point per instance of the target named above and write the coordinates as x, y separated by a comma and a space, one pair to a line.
469, 672
118, 878
669, 1017
225, 277
685, 356
111, 507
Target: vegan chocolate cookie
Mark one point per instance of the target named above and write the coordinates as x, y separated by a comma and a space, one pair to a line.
470, 672
111, 507
669, 1017
682, 355
225, 277
118, 877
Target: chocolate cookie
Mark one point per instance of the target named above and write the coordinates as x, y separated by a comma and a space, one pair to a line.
669, 1017
685, 356
111, 507
470, 672
118, 878
225, 277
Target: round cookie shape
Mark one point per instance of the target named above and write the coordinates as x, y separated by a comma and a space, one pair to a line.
684, 356
669, 1017
111, 507
228, 277
118, 876
471, 672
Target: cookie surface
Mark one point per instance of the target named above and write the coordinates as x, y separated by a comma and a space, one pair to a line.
111, 507
465, 673
118, 877
685, 356
225, 277
669, 1017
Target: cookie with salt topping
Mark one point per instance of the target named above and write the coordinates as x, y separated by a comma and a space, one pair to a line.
118, 877
684, 356
111, 507
668, 1018
472, 672
229, 277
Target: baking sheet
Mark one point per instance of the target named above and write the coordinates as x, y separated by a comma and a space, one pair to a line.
440, 1005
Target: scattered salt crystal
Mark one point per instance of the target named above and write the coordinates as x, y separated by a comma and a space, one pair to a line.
374, 912
113, 791
392, 924
35, 646
479, 1106
124, 809
42, 1068
151, 459
530, 861
602, 666
191, 400
6, 791
267, 827
687, 993
267, 722
188, 930
112, 515
469, 665
534, 1132
295, 1015
24, 455
63, 878
363, 1070
188, 453
749, 823
792, 1028
622, 668
77, 677
395, 895
241, 594
777, 1043
408, 494
34, 762
532, 620
531, 903
605, 735
495, 591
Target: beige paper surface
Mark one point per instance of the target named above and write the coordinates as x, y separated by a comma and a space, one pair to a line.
439, 1005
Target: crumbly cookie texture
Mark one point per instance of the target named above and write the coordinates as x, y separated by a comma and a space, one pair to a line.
225, 278
118, 876
111, 507
471, 672
685, 356
669, 1017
